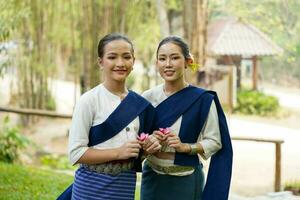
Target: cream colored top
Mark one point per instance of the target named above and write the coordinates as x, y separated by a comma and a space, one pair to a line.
92, 109
209, 137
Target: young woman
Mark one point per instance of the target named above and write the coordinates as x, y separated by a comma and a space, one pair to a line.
189, 122
106, 123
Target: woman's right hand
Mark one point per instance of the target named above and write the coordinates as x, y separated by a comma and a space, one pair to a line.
128, 150
161, 137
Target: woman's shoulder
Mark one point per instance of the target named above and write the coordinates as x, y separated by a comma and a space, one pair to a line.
206, 92
90, 96
138, 96
152, 92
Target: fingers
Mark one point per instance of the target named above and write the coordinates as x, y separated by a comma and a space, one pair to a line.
173, 140
149, 141
162, 136
154, 147
134, 145
159, 135
131, 149
151, 144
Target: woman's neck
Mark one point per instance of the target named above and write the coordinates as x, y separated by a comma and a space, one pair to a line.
117, 88
174, 86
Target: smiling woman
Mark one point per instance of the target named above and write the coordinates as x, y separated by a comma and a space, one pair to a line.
171, 63
195, 125
116, 62
106, 123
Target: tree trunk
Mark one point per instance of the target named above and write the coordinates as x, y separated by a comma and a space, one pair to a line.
163, 19
195, 25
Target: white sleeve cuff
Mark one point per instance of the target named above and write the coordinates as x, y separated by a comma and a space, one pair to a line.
76, 154
210, 147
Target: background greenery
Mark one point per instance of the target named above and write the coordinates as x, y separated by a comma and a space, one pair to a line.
58, 39
23, 182
256, 103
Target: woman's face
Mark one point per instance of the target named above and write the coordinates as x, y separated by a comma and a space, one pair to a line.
117, 60
170, 62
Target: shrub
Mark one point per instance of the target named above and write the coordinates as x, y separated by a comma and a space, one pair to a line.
256, 103
294, 187
11, 142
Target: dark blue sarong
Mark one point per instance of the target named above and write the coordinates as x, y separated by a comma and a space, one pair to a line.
165, 187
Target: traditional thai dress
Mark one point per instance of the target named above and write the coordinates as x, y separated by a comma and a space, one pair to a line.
101, 120
196, 116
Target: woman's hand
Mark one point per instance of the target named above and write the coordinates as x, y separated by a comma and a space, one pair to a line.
128, 150
174, 141
160, 136
151, 145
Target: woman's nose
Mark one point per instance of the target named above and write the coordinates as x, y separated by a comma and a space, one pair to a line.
120, 62
168, 62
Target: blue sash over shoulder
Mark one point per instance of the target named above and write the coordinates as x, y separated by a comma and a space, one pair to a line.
193, 105
132, 106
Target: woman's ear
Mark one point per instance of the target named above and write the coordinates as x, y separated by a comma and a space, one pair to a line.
133, 63
156, 65
100, 63
189, 61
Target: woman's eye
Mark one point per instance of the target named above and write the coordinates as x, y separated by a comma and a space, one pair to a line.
161, 59
111, 57
175, 58
127, 57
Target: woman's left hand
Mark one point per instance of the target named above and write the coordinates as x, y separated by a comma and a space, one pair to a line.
175, 142
151, 145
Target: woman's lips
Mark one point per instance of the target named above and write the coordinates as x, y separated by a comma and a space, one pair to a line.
120, 71
169, 72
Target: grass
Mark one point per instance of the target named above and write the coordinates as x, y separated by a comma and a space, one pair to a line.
18, 182
24, 182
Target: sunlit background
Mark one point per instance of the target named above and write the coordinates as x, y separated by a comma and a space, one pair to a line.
248, 51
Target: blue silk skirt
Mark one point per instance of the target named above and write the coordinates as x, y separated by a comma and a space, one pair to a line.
166, 187
90, 185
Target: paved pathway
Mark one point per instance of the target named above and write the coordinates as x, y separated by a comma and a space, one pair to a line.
270, 196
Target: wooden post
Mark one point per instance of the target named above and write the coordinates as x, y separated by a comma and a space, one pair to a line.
278, 167
277, 184
254, 73
230, 90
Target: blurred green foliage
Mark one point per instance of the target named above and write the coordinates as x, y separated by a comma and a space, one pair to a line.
11, 142
293, 186
279, 20
50, 103
56, 162
256, 103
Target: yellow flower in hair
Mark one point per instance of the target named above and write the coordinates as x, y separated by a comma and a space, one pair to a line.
190, 63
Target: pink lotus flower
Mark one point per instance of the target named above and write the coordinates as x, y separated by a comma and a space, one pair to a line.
165, 131
143, 137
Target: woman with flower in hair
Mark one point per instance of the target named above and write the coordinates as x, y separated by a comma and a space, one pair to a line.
189, 123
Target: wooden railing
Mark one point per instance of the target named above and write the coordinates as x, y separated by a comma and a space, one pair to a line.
277, 143
26, 111
277, 184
